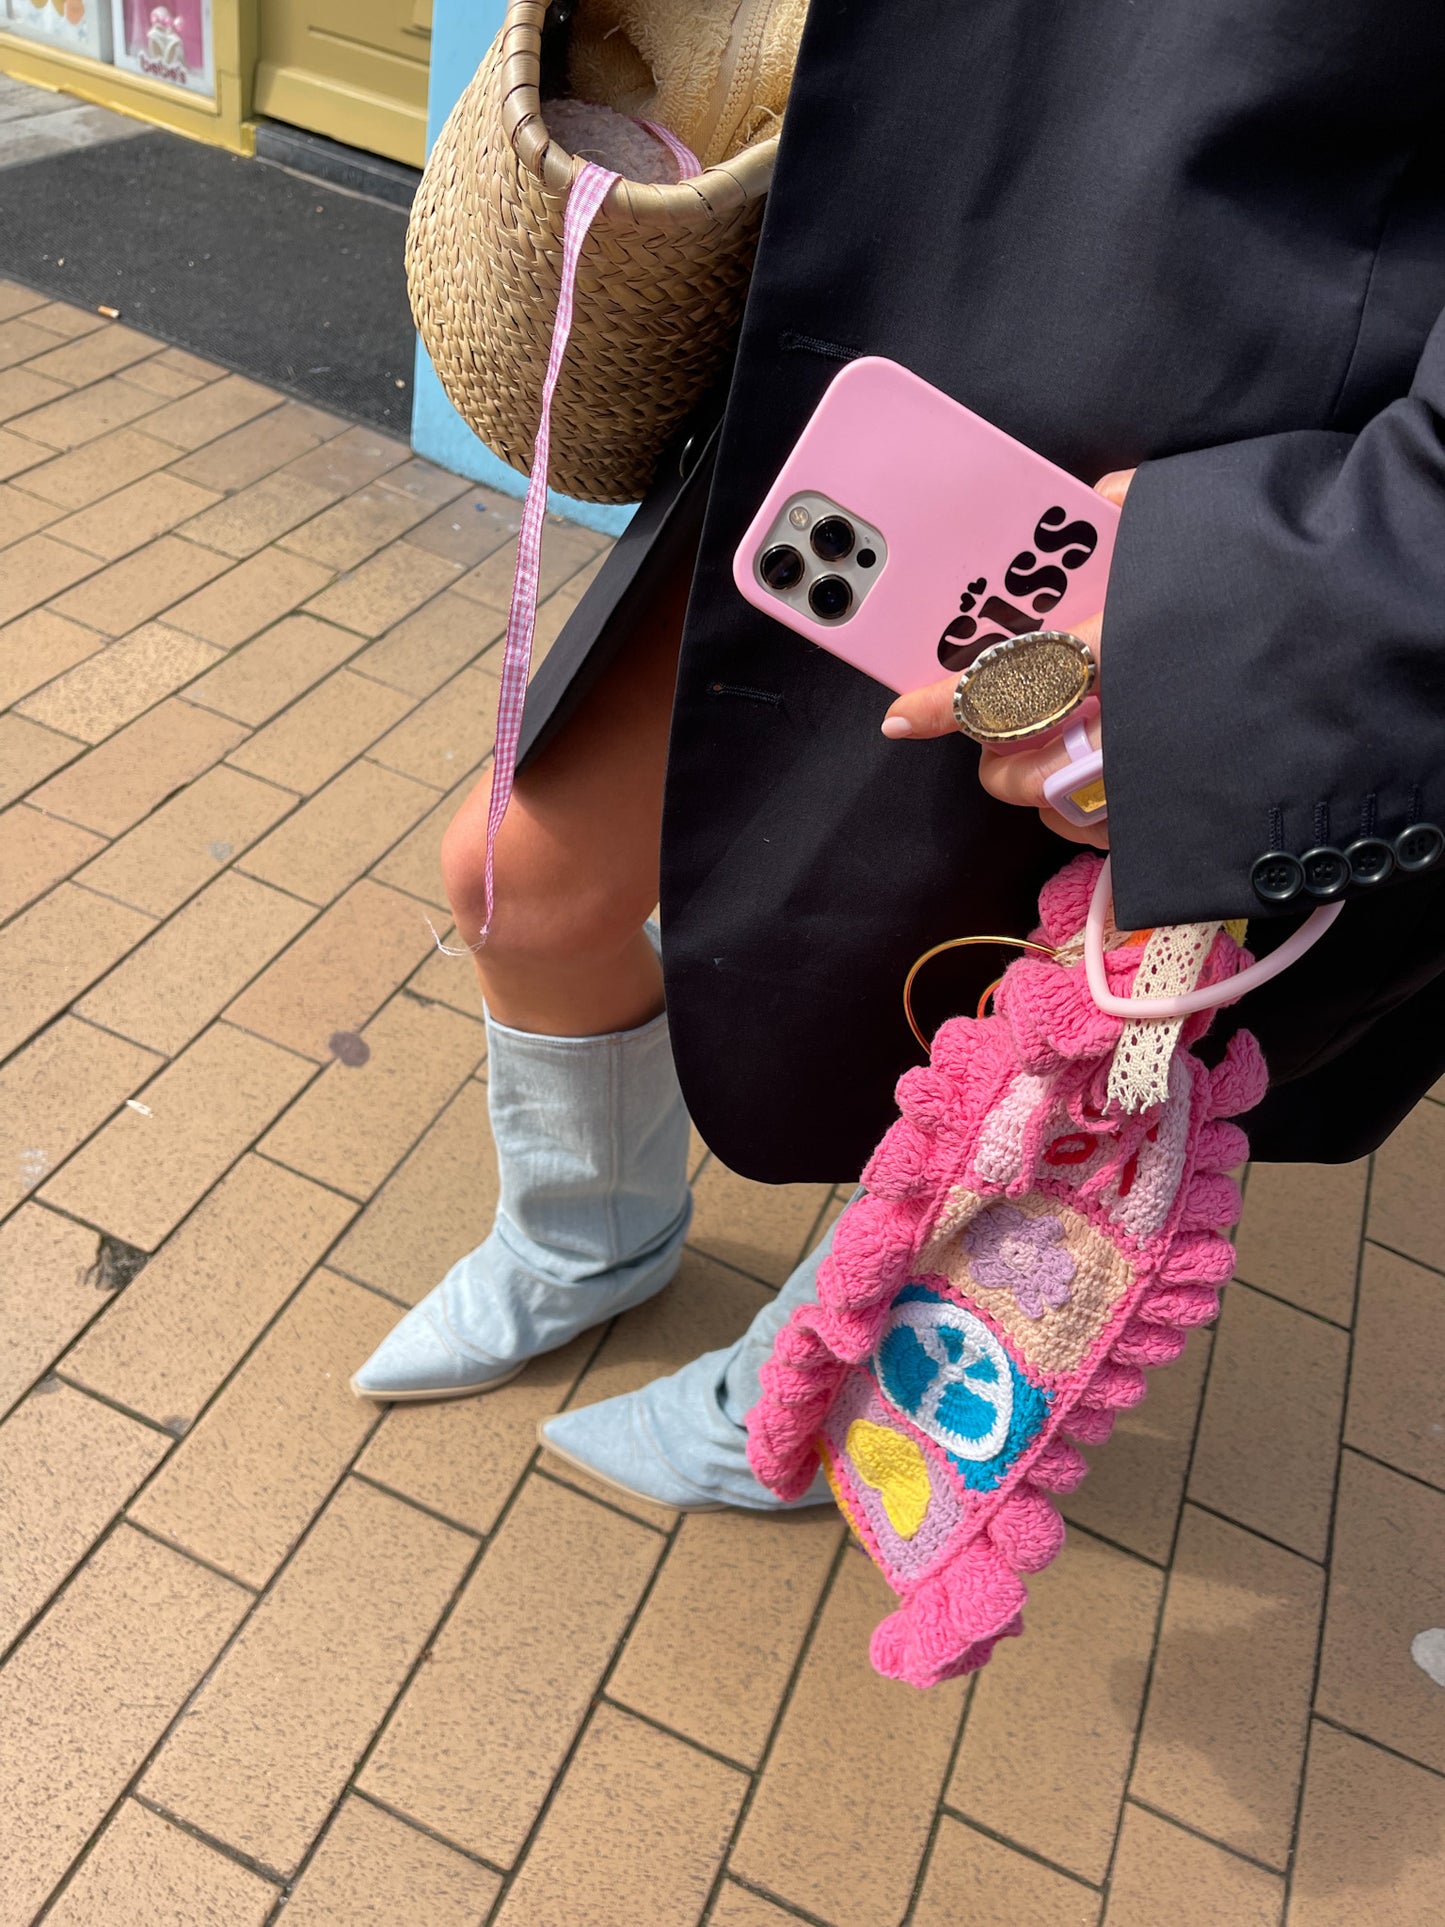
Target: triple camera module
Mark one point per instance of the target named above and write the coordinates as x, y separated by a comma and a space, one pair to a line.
820, 557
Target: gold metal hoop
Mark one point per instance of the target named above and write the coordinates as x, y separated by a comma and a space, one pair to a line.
958, 943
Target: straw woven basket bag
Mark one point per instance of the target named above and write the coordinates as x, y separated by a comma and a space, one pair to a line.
664, 269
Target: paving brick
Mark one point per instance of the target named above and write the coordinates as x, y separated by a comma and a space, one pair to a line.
1369, 1839
141, 1175
249, 598
54, 950
1395, 1410
372, 1870
37, 851
307, 744
272, 1737
279, 665
336, 975
38, 646
17, 300
1267, 1435
351, 460
24, 339
29, 753
1223, 1738
277, 1438
1407, 1201
415, 864
54, 1093
973, 1878
1069, 1691
428, 648
565, 550
424, 483
1135, 1485
134, 515
1300, 1233
90, 1692
886, 1747
19, 456
67, 1466
254, 516
160, 377
436, 1207
244, 455
471, 527
357, 1121
36, 569
211, 411
181, 846
1387, 1557
448, 979
94, 355
485, 1725
714, 1646
144, 1872
357, 526
142, 584
65, 418
64, 319
86, 474
739, 1907
462, 1457
171, 986
108, 690
118, 783
763, 1229
375, 596
636, 1831
1164, 1874
21, 514
47, 1294
445, 735
169, 1340
335, 838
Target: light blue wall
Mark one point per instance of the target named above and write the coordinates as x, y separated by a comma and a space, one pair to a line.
462, 30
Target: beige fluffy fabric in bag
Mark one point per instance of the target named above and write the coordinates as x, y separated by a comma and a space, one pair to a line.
714, 72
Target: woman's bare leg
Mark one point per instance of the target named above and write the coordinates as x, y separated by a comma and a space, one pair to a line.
577, 857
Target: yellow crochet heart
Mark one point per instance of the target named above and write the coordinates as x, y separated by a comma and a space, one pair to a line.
893, 1465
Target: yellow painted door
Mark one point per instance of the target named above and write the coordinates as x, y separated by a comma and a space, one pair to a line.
354, 70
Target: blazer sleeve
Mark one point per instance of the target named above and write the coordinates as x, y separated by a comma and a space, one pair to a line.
1274, 668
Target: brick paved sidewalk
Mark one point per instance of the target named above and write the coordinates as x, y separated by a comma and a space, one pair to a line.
261, 1640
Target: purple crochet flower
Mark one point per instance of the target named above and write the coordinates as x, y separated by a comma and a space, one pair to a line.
1013, 1252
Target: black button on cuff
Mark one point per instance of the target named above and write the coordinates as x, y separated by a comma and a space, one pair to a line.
1326, 872
1277, 877
1371, 859
1419, 846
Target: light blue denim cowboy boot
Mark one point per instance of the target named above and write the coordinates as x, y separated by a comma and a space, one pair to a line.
683, 1440
592, 1137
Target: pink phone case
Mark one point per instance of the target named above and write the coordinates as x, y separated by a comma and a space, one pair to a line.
983, 537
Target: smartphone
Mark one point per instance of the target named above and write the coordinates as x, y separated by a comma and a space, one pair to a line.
905, 534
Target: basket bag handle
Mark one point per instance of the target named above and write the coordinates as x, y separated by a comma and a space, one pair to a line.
584, 200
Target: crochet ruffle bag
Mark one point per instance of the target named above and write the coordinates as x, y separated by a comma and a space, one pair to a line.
1044, 1222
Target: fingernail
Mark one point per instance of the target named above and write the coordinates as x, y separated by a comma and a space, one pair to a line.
896, 726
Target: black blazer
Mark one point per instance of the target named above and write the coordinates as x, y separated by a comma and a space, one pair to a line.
1202, 236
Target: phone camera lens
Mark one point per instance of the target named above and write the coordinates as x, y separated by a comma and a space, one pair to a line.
833, 538
781, 568
830, 597
866, 558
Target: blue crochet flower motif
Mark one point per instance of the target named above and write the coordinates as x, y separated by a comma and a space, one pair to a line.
946, 1372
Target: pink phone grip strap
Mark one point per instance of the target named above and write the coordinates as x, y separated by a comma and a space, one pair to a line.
585, 198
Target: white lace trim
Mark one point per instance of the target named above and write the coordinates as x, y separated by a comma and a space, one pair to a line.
1173, 960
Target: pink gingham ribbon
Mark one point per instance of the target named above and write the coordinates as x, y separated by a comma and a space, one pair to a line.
587, 194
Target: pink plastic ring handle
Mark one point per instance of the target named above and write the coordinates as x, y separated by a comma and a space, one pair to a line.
1290, 951
1086, 765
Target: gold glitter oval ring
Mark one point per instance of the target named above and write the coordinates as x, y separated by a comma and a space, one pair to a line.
1023, 685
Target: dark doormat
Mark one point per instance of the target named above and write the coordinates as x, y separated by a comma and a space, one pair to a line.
278, 277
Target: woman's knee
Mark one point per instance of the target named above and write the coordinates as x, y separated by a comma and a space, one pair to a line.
546, 906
